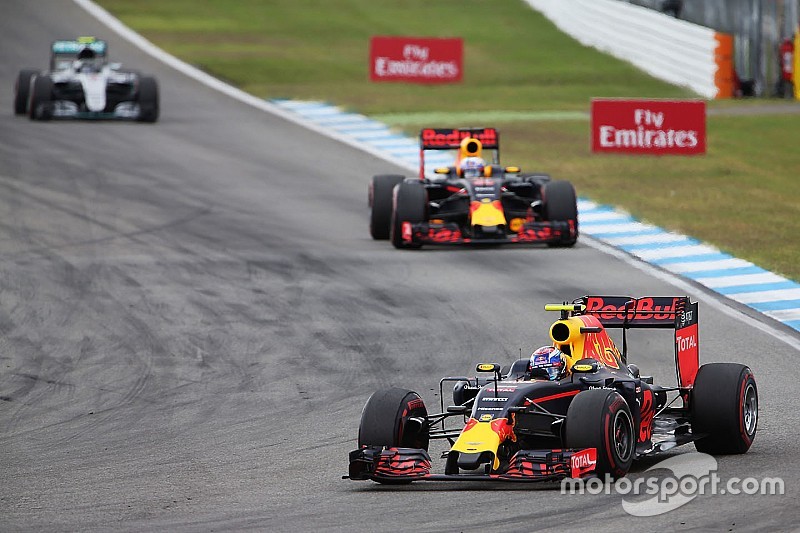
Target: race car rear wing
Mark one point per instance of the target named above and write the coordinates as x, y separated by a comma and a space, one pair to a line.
73, 47
450, 139
628, 312
62, 51
675, 312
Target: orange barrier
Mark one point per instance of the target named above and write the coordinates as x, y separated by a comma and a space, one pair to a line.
723, 56
796, 69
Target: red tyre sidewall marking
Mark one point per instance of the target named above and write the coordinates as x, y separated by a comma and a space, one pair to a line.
742, 429
607, 436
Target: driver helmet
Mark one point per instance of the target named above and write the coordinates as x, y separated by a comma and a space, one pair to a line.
86, 53
550, 360
87, 60
472, 167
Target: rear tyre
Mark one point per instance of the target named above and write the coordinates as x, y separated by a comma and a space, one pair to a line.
560, 205
724, 406
380, 203
40, 101
22, 89
601, 419
148, 99
410, 204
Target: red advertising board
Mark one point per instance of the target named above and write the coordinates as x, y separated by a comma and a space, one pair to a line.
659, 127
416, 60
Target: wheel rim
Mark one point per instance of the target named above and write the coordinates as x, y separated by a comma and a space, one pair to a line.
623, 435
750, 409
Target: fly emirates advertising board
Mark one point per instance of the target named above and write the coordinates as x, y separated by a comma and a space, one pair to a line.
657, 127
416, 59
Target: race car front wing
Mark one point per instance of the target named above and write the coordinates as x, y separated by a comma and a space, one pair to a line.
412, 464
374, 462
451, 233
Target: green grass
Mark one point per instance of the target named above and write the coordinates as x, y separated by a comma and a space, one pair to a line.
742, 196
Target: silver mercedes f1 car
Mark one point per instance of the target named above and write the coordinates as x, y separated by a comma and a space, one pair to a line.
81, 83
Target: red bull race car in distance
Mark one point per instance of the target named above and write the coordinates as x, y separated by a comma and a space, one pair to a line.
474, 201
575, 409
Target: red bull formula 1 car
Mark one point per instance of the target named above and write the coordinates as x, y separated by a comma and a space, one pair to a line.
594, 418
495, 205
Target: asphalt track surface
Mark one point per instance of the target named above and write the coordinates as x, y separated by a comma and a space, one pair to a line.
193, 315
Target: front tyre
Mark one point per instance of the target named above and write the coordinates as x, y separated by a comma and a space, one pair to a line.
40, 101
148, 99
394, 418
560, 204
724, 407
22, 89
380, 203
601, 419
410, 204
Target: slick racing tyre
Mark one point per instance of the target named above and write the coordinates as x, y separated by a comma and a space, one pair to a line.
724, 407
410, 204
395, 418
40, 100
380, 203
22, 90
148, 99
601, 419
560, 205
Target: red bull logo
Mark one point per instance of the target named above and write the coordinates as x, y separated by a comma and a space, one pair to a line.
487, 213
644, 309
433, 138
599, 346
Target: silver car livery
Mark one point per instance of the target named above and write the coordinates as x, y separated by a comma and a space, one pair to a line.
81, 83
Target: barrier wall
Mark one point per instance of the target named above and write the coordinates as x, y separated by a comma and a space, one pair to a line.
672, 50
